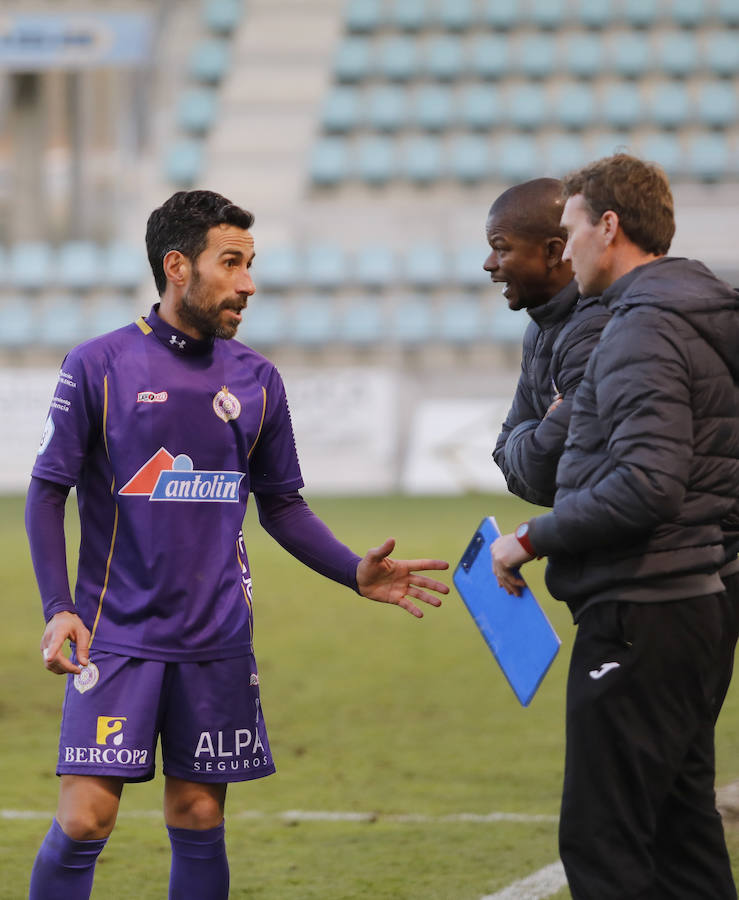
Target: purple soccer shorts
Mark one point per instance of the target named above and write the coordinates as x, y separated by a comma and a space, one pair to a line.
208, 716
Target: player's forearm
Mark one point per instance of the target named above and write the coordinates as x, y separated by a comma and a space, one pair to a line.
291, 522
45, 527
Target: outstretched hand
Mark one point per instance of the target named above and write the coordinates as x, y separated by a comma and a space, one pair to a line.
60, 627
396, 580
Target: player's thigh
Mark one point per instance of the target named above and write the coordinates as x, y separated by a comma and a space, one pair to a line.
88, 805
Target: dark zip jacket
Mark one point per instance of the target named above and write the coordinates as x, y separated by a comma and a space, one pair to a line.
648, 483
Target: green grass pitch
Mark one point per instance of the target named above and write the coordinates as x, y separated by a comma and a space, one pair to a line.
368, 710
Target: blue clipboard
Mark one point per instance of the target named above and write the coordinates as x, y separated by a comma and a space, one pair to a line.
516, 629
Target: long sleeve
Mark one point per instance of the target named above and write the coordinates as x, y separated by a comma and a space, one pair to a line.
45, 527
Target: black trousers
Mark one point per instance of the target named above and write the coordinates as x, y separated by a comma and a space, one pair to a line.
731, 636
639, 818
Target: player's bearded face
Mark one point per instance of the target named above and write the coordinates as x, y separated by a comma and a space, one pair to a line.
212, 317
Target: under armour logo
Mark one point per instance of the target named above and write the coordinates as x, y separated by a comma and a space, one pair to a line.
180, 344
604, 669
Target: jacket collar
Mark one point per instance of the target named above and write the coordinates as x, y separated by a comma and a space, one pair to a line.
556, 309
177, 341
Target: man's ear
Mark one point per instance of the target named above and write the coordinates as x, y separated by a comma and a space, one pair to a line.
609, 223
176, 268
554, 249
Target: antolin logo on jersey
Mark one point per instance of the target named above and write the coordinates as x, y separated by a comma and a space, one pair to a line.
167, 477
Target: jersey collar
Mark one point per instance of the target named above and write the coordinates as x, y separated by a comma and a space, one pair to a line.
176, 340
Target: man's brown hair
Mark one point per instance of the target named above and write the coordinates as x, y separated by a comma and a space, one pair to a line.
637, 191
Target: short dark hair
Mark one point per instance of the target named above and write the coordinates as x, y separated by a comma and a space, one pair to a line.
637, 191
183, 222
532, 209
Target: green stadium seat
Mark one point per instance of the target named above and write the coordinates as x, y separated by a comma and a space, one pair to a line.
184, 163
489, 56
61, 323
721, 55
629, 54
18, 321
196, 111
640, 13
689, 13
361, 322
412, 321
561, 153
514, 158
124, 266
353, 60
456, 15
410, 15
209, 61
375, 160
276, 268
222, 16
397, 58
548, 14
479, 106
329, 164
375, 266
595, 13
501, 14
341, 110
461, 320
583, 55
527, 107
325, 267
469, 158
708, 156
467, 269
445, 58
313, 322
424, 265
78, 266
422, 160
363, 15
386, 108
536, 56
265, 322
575, 105
433, 108
716, 105
677, 53
669, 104
665, 150
30, 265
621, 105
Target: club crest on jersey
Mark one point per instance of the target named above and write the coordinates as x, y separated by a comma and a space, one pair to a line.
226, 405
168, 477
87, 678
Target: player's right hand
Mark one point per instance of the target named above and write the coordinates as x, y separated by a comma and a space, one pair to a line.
59, 628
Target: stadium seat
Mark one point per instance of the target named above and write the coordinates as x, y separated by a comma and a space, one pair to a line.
376, 160
433, 108
506, 326
575, 105
353, 60
583, 55
677, 53
17, 323
535, 56
514, 158
728, 12
708, 156
412, 320
456, 15
460, 320
501, 14
606, 144
479, 107
669, 104
526, 106
716, 105
30, 265
629, 54
620, 105
409, 15
548, 14
721, 53
469, 158
595, 13
276, 268
361, 321
421, 160
386, 108
196, 111
467, 270
222, 16
108, 314
325, 267
640, 13
689, 13
78, 266
375, 266
61, 323
363, 15
329, 162
184, 163
397, 58
313, 322
124, 266
265, 321
489, 56
209, 61
341, 110
561, 153
665, 150
424, 265
444, 59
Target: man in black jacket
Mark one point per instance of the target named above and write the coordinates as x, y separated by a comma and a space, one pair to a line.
526, 243
647, 482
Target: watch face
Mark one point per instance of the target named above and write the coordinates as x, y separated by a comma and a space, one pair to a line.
522, 530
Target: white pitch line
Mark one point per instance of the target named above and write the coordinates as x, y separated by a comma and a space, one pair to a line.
544, 883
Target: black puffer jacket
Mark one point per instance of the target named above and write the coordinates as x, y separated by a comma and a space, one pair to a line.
556, 347
650, 470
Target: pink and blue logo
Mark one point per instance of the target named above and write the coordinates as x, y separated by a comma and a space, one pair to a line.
167, 477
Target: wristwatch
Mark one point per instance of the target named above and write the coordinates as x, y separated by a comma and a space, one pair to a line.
522, 536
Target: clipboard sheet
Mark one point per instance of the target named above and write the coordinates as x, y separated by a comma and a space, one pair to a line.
516, 629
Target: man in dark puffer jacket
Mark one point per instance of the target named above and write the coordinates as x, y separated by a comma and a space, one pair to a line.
646, 485
526, 244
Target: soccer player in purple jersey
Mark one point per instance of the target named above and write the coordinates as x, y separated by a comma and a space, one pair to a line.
165, 427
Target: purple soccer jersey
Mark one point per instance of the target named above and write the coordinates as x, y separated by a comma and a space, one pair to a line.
164, 437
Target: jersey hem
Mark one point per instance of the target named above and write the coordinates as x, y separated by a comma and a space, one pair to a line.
158, 655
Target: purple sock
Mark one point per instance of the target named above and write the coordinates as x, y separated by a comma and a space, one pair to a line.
199, 864
64, 868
